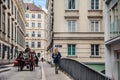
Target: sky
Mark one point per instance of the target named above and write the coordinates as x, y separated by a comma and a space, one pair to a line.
41, 3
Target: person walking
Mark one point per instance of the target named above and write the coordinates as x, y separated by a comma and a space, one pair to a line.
56, 59
36, 60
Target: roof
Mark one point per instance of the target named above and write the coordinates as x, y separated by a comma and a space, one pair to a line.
32, 7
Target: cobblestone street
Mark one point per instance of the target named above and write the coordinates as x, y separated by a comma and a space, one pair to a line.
13, 74
49, 73
43, 72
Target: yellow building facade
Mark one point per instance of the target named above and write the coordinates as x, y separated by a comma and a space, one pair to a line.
77, 29
36, 31
12, 29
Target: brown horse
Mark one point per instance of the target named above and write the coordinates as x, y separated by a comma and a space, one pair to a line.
32, 61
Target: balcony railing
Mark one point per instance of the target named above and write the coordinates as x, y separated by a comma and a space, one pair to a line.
80, 71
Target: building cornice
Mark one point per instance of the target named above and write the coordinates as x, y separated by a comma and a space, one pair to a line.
78, 33
78, 38
71, 17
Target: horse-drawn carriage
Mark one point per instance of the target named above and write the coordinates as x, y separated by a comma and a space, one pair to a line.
26, 59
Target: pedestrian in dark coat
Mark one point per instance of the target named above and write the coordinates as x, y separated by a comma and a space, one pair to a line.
56, 59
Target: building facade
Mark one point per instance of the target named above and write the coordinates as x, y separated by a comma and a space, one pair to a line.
12, 29
77, 29
50, 18
112, 38
36, 31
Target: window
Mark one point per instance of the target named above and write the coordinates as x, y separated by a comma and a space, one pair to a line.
9, 4
38, 54
26, 43
94, 4
15, 13
33, 24
15, 32
27, 34
33, 34
114, 21
39, 34
95, 49
27, 24
71, 49
33, 44
3, 21
71, 25
33, 15
27, 15
71, 4
95, 26
8, 33
12, 30
12, 6
39, 24
39, 44
39, 15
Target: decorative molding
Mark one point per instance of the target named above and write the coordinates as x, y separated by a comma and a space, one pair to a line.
78, 38
78, 33
71, 10
71, 17
74, 56
95, 10
95, 16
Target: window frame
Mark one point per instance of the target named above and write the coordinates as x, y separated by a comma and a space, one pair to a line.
39, 16
94, 51
67, 6
26, 43
27, 34
38, 24
94, 6
71, 27
33, 34
27, 15
71, 50
39, 45
94, 29
39, 34
33, 16
27, 24
33, 23
33, 44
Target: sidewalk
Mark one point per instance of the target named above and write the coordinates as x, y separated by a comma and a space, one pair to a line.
4, 68
48, 73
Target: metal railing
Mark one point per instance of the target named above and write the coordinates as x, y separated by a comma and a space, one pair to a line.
79, 71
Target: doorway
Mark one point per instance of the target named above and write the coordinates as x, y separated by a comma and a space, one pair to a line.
118, 64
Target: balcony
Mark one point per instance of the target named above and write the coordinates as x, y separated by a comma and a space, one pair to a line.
95, 13
71, 13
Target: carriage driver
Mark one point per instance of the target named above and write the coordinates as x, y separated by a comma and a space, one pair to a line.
27, 50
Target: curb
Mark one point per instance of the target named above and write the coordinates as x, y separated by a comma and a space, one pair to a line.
43, 72
3, 70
